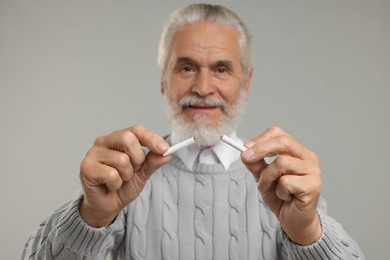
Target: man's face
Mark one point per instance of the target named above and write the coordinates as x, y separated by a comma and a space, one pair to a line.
204, 80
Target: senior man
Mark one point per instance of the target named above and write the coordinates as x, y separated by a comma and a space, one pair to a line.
207, 200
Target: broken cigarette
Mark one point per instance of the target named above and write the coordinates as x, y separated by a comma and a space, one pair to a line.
233, 143
179, 146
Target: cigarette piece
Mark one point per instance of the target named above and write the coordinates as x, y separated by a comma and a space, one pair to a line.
233, 143
179, 146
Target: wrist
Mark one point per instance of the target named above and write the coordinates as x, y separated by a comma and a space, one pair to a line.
305, 236
95, 218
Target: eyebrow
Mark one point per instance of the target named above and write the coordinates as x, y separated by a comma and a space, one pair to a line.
218, 63
225, 63
184, 60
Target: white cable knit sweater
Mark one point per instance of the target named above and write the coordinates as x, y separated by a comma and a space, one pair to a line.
207, 213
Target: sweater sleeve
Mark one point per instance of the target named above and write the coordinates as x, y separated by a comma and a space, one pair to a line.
64, 235
334, 243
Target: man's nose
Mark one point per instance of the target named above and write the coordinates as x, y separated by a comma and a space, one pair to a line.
203, 84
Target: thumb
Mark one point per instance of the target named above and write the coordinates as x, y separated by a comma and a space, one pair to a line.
152, 163
256, 168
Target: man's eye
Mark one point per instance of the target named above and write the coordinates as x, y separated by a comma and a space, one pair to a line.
221, 70
186, 68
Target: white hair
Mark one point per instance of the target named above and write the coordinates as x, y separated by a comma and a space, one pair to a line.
216, 14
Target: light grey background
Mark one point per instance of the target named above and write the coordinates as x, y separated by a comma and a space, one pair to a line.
73, 70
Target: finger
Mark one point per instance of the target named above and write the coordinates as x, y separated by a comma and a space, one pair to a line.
153, 162
148, 139
281, 145
131, 142
306, 189
94, 174
118, 160
285, 165
134, 187
140, 136
271, 132
123, 141
256, 168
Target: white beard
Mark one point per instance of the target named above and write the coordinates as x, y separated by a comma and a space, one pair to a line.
205, 135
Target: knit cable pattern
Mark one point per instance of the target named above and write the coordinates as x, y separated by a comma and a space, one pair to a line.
138, 229
238, 244
169, 240
203, 217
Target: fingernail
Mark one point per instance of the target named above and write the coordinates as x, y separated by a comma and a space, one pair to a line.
250, 144
162, 146
249, 154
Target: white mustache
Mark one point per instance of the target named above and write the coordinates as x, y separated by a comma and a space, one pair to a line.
193, 100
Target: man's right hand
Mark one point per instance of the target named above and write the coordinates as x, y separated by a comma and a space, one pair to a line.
115, 170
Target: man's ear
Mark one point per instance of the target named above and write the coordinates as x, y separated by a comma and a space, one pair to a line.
162, 87
247, 83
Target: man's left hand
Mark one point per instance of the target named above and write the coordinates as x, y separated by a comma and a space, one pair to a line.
290, 185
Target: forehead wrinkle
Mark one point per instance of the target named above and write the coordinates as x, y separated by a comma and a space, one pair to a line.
197, 43
208, 48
